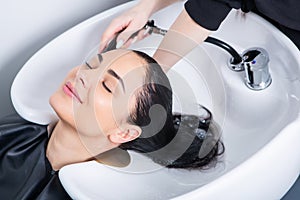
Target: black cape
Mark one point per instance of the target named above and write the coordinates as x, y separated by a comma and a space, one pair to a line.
25, 172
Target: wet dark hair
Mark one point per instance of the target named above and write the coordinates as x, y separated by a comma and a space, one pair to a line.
172, 140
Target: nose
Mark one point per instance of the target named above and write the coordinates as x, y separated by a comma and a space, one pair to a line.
86, 76
82, 78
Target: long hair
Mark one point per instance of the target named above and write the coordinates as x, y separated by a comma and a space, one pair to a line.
173, 140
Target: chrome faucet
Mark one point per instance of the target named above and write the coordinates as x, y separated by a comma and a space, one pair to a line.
255, 62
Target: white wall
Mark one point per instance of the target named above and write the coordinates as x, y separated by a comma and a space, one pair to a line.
26, 26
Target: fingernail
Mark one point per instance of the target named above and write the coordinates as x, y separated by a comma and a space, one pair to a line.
119, 43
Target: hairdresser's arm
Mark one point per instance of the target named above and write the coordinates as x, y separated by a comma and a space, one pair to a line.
182, 37
193, 25
132, 20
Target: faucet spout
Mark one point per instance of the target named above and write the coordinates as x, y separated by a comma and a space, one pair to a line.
255, 61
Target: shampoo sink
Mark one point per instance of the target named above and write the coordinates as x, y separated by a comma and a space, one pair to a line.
260, 129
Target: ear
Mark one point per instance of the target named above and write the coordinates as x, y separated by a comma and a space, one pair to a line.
125, 134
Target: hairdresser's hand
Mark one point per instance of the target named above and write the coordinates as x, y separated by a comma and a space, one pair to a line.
129, 22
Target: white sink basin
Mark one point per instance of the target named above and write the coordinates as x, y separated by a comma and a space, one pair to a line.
260, 128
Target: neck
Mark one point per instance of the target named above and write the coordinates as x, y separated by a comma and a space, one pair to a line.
65, 147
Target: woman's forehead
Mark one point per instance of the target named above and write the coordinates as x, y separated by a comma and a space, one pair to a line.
127, 64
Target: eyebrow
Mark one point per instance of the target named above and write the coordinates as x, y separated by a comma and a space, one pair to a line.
114, 74
100, 58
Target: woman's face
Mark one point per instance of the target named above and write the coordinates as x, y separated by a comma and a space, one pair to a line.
95, 99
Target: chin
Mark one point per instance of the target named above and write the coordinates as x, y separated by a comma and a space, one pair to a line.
61, 107
54, 103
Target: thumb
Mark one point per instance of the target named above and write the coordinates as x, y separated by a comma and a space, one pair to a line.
108, 35
129, 35
104, 42
123, 39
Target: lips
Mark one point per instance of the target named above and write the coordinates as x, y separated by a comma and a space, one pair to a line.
71, 91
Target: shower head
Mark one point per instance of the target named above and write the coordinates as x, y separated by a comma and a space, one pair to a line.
149, 29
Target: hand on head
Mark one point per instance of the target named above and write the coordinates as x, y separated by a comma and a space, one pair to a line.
125, 24
131, 21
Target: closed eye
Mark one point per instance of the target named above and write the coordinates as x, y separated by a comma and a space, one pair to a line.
105, 87
88, 65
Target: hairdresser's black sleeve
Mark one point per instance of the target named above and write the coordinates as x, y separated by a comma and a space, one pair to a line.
285, 15
210, 13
